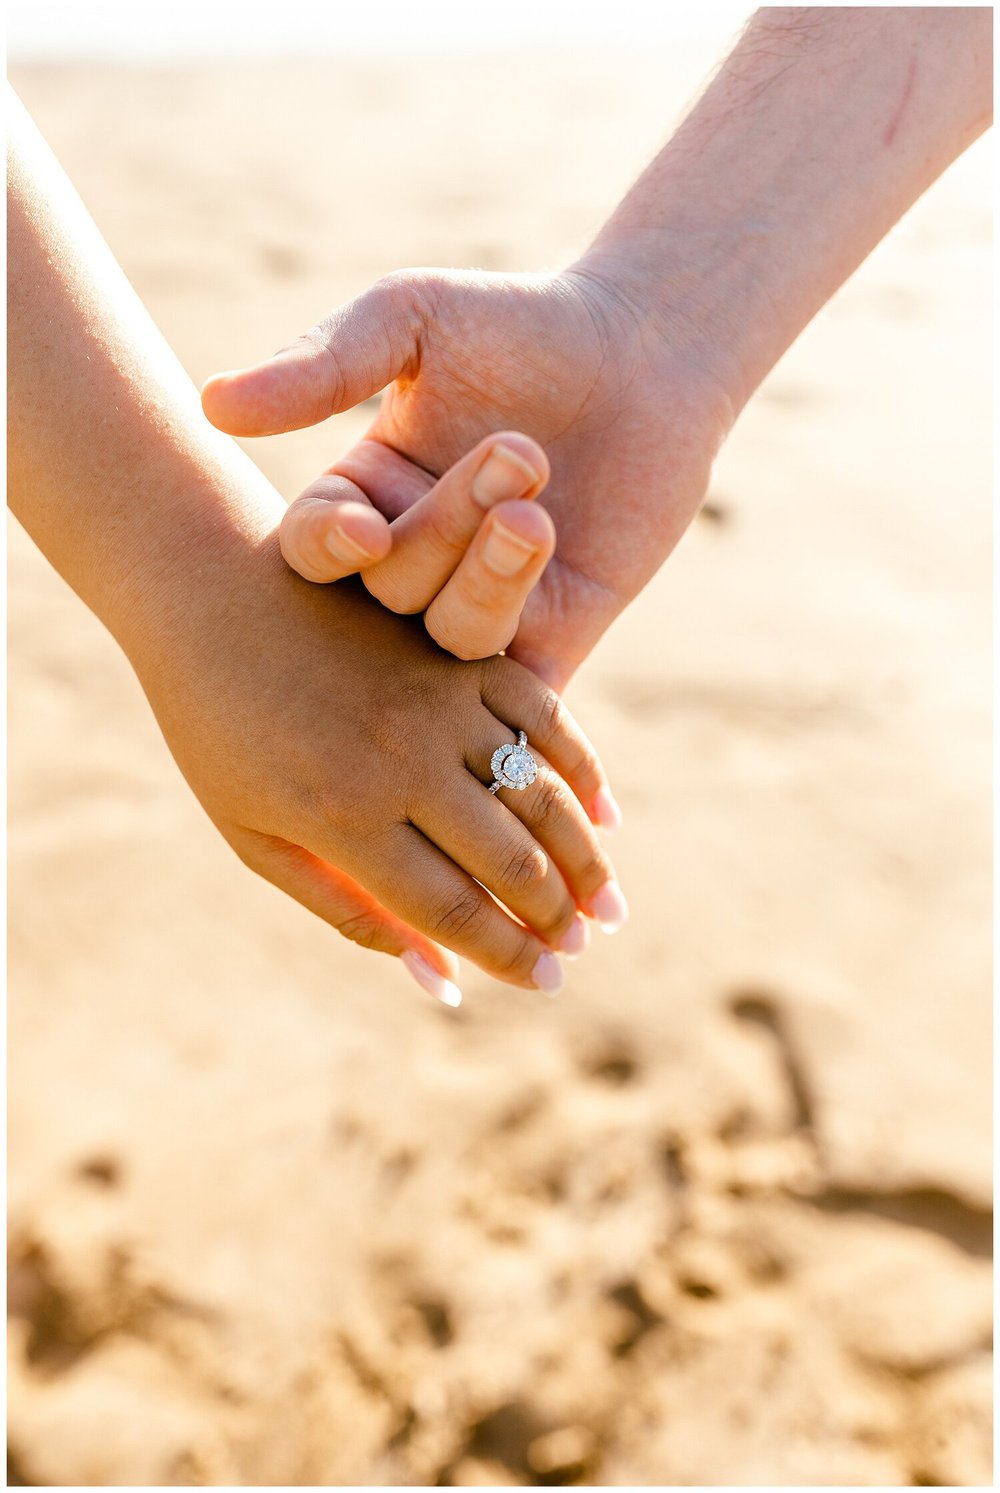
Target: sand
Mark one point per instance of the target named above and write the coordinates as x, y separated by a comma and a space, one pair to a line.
721, 1213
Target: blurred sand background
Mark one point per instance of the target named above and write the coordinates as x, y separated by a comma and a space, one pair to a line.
721, 1214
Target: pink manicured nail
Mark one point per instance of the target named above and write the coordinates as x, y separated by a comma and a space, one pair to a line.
548, 973
429, 979
575, 939
503, 474
606, 810
609, 907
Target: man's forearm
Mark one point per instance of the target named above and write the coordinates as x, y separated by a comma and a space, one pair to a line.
822, 127
112, 467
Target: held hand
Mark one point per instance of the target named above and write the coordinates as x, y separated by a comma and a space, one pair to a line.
338, 749
629, 367
630, 425
466, 554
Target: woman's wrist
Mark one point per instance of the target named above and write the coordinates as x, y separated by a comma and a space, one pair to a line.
205, 517
113, 469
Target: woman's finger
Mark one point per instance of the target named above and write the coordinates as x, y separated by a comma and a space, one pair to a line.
340, 901
431, 538
433, 894
524, 703
493, 845
332, 530
554, 818
477, 611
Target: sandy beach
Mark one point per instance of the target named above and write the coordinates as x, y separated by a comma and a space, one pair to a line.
721, 1214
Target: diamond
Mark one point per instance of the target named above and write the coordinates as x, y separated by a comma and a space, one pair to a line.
513, 765
519, 767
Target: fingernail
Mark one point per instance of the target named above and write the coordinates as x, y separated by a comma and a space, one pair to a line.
503, 474
606, 810
548, 973
609, 907
505, 553
429, 979
575, 939
343, 547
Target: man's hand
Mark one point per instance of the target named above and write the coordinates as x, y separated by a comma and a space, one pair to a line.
820, 129
630, 427
467, 554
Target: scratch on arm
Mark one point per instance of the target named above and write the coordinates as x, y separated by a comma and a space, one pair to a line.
893, 127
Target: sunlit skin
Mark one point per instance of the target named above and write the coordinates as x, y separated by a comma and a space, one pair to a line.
341, 753
822, 127
623, 373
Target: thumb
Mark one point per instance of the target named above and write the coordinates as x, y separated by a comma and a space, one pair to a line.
348, 357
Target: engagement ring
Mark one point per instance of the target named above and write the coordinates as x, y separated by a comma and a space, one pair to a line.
513, 766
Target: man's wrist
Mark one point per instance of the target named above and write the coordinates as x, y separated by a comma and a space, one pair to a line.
686, 294
819, 130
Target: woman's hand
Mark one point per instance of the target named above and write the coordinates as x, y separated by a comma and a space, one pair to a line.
338, 750
326, 737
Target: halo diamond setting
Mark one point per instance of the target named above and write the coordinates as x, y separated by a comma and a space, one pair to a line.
513, 766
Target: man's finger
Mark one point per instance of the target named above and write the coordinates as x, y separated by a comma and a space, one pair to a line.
391, 482
332, 530
477, 612
348, 357
430, 540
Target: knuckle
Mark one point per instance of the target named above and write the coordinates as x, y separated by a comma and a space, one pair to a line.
551, 804
451, 640
398, 282
402, 293
389, 586
443, 529
526, 869
551, 716
464, 915
555, 724
410, 285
